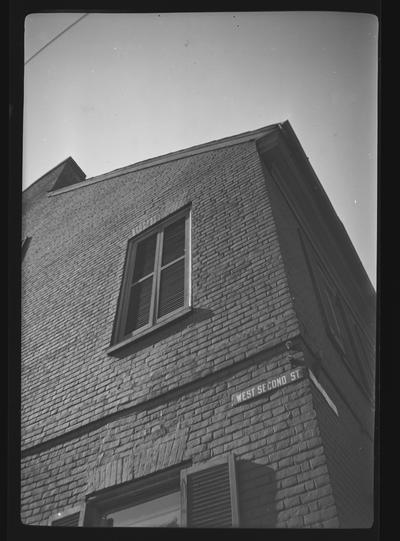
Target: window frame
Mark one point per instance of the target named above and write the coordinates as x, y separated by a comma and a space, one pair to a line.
119, 336
136, 492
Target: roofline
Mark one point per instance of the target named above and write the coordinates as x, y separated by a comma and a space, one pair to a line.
172, 156
68, 159
337, 225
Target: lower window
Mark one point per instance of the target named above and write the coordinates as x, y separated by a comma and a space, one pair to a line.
200, 496
151, 501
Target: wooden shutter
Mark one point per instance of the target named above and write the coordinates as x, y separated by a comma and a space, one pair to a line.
172, 271
209, 495
67, 521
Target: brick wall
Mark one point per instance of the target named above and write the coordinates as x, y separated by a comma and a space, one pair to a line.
282, 474
73, 270
91, 420
71, 278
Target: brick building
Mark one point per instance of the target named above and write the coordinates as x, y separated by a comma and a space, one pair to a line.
197, 345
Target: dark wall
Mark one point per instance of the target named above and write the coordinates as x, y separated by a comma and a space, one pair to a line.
350, 462
347, 437
300, 254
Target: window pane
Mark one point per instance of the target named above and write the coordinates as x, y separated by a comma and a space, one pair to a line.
172, 288
144, 260
139, 305
174, 241
160, 512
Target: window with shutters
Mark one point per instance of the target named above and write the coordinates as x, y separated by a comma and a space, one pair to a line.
156, 283
201, 496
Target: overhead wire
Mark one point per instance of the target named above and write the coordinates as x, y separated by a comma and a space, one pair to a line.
56, 37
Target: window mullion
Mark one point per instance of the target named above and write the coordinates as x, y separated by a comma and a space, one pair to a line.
156, 278
171, 262
142, 279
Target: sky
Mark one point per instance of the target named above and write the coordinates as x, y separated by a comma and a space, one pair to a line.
115, 89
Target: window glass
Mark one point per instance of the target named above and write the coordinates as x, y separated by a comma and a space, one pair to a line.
145, 255
156, 283
172, 288
174, 241
159, 512
139, 305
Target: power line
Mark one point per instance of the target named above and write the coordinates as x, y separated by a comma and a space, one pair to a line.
56, 37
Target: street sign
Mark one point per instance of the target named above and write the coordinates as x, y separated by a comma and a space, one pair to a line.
268, 386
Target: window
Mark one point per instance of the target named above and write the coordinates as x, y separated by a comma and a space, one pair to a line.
154, 500
68, 518
199, 496
156, 285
